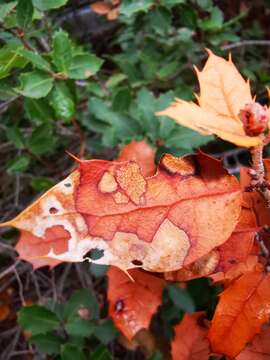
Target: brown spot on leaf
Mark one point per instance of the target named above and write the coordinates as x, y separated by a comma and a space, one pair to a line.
184, 166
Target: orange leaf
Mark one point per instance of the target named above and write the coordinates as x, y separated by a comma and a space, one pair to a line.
259, 349
229, 255
160, 223
223, 93
242, 309
132, 304
142, 153
101, 8
190, 342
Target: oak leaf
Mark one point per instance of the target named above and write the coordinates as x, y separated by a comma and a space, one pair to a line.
258, 349
159, 223
133, 303
190, 341
223, 93
242, 309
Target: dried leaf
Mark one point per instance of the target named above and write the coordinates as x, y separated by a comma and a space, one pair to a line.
159, 223
190, 342
132, 304
223, 93
242, 309
101, 7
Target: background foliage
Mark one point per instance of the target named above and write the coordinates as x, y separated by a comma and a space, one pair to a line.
72, 80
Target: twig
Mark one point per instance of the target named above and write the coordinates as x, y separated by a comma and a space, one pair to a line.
20, 285
257, 173
246, 43
62, 280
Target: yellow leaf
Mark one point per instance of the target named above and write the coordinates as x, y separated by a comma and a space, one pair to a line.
223, 93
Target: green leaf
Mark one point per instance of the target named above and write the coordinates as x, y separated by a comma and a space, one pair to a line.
156, 356
115, 80
41, 183
6, 90
122, 100
106, 331
72, 352
181, 298
101, 353
62, 101
171, 2
38, 110
98, 270
5, 9
130, 7
10, 59
83, 298
47, 343
42, 140
186, 139
35, 84
79, 327
160, 20
214, 22
18, 165
45, 5
25, 11
83, 66
36, 59
15, 136
62, 51
37, 319
169, 69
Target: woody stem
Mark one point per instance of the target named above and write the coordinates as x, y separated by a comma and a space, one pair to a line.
257, 173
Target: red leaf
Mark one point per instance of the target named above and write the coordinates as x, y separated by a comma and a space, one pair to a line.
160, 223
242, 309
259, 349
132, 304
190, 342
142, 153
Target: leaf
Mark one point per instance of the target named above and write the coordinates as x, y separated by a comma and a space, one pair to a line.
5, 9
62, 51
83, 298
242, 309
42, 140
128, 8
223, 93
25, 11
35, 84
45, 5
38, 110
258, 349
62, 101
132, 304
159, 223
80, 327
37, 319
101, 8
190, 341
83, 66
71, 352
15, 136
105, 331
142, 153
10, 59
47, 343
181, 298
101, 353
36, 59
18, 165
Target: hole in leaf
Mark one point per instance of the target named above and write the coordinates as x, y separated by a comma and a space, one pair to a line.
119, 306
94, 254
137, 262
67, 185
53, 210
